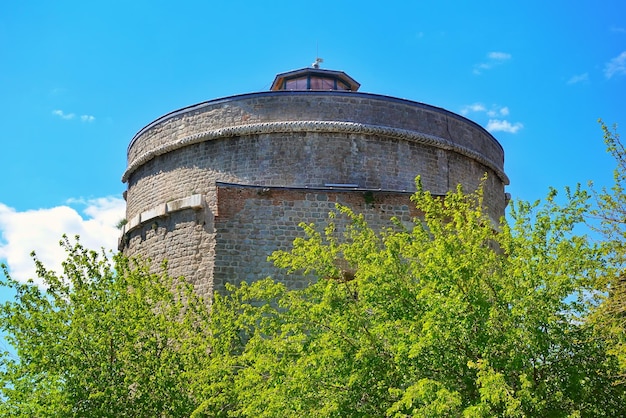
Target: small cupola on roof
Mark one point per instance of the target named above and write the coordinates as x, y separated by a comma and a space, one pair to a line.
314, 78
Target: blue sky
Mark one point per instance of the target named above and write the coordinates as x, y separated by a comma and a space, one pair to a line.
79, 79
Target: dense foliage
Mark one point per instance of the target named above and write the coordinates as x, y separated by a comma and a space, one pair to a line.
453, 314
101, 340
450, 317
610, 318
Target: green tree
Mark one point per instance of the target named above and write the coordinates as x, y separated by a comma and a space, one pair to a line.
449, 316
102, 339
610, 318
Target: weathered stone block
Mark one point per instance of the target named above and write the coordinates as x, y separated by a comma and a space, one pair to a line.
155, 212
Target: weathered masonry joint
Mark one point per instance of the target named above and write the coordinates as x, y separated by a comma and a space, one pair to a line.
216, 187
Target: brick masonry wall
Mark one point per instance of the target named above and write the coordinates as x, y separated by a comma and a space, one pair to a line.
285, 140
321, 106
252, 223
305, 160
185, 239
301, 157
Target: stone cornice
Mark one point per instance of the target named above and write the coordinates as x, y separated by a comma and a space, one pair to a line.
313, 126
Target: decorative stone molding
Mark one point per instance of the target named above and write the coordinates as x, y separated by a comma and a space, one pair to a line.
313, 126
160, 211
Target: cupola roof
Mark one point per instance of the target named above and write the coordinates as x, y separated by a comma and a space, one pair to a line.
314, 78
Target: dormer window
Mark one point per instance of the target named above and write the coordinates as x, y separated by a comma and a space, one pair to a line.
296, 83
314, 82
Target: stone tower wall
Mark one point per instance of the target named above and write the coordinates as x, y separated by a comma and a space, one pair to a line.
283, 144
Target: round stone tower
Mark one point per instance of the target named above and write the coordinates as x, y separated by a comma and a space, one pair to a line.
216, 187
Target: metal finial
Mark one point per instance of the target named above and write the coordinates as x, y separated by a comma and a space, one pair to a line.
317, 62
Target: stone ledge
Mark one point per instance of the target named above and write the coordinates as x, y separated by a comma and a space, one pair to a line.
189, 202
133, 223
162, 210
155, 212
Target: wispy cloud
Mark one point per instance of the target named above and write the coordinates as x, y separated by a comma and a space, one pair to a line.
499, 56
494, 59
63, 115
498, 111
492, 111
618, 29
69, 116
616, 66
578, 78
497, 125
495, 113
40, 231
474, 107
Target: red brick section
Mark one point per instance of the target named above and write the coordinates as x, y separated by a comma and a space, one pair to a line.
253, 222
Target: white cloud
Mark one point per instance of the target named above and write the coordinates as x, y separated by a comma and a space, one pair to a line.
497, 111
40, 231
478, 68
499, 56
63, 115
493, 59
497, 125
617, 29
69, 116
616, 66
493, 111
475, 107
578, 78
